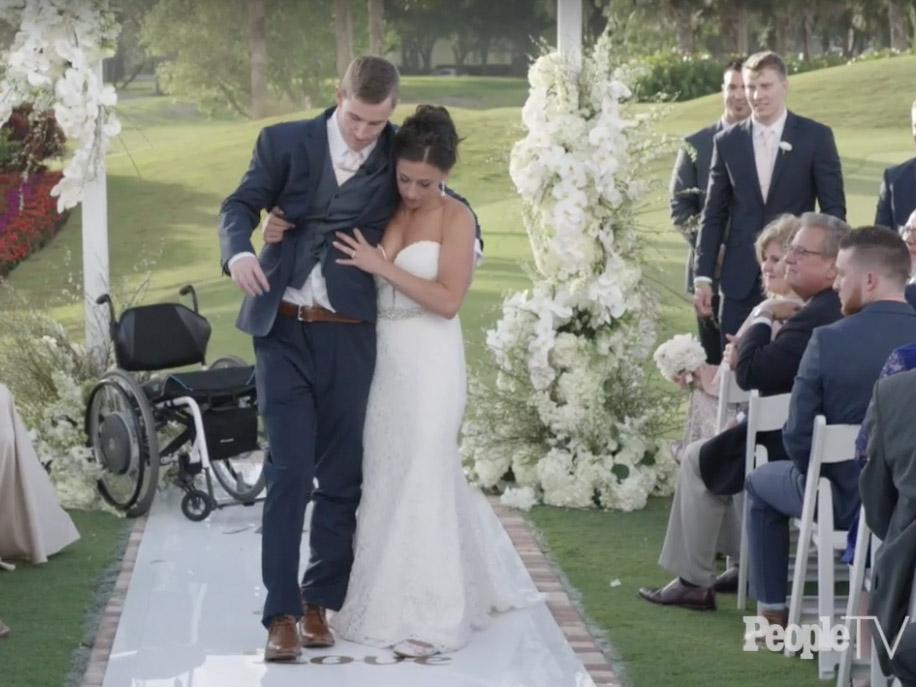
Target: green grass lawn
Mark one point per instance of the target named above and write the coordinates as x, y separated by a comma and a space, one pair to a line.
172, 169
48, 606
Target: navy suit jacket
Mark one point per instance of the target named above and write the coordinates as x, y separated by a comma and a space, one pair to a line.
284, 172
768, 364
835, 379
688, 184
809, 172
897, 198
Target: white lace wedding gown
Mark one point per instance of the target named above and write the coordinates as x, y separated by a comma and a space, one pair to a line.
431, 559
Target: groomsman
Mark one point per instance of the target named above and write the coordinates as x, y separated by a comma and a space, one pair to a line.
897, 199
772, 163
688, 190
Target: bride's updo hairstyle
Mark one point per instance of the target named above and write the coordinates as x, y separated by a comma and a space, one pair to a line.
428, 135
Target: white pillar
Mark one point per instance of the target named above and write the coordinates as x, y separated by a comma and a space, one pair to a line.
94, 208
569, 30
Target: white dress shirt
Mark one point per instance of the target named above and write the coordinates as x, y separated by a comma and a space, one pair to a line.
345, 162
766, 149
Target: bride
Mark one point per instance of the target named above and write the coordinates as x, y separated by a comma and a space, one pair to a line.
431, 560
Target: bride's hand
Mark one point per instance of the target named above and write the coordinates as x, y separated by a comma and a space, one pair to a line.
362, 254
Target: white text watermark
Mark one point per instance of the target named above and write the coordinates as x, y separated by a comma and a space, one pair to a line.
806, 638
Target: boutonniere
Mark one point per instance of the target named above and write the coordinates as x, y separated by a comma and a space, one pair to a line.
785, 146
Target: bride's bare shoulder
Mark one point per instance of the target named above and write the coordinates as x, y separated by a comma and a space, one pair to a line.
458, 214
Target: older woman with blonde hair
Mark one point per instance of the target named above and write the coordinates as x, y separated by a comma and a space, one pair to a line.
770, 248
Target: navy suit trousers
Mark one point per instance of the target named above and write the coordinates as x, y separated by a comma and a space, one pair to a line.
313, 386
775, 493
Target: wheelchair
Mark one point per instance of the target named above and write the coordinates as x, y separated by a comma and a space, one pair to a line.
205, 420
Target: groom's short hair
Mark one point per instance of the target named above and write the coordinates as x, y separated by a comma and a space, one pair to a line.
766, 59
371, 80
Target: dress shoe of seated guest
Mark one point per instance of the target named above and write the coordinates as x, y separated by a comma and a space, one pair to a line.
780, 618
314, 628
727, 582
283, 642
676, 593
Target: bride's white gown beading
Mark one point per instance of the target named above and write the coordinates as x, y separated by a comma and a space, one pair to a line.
431, 559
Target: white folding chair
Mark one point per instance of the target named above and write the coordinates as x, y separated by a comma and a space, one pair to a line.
830, 444
860, 581
730, 395
764, 414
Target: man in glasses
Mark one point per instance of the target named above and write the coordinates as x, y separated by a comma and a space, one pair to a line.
711, 479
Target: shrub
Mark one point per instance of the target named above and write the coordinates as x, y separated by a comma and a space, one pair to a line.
28, 139
28, 215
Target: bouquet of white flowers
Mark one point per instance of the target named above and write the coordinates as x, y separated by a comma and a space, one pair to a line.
680, 355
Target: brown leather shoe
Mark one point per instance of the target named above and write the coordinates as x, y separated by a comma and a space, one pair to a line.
780, 618
727, 582
314, 628
677, 594
282, 640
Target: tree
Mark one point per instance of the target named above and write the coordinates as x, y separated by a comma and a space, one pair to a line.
419, 24
343, 30
257, 46
205, 54
376, 9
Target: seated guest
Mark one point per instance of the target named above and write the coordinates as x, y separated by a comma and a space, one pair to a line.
34, 526
770, 247
897, 198
888, 490
704, 515
835, 379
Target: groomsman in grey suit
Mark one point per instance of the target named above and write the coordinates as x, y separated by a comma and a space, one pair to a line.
688, 190
897, 198
772, 163
888, 488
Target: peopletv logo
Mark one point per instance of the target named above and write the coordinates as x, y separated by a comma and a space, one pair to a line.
806, 638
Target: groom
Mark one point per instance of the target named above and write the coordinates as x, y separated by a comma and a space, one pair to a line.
313, 323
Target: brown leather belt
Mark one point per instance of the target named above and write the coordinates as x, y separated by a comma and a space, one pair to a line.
313, 313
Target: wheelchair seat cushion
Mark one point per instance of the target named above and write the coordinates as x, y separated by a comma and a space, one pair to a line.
204, 385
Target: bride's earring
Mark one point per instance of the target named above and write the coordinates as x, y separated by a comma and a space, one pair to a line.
442, 189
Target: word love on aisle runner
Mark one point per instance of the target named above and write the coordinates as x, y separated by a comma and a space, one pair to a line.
191, 616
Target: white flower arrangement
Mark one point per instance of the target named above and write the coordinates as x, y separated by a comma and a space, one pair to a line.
681, 355
52, 64
522, 498
568, 416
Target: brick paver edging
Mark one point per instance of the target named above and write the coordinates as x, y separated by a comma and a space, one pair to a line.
108, 621
561, 605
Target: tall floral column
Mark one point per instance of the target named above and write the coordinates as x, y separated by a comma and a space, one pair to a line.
569, 415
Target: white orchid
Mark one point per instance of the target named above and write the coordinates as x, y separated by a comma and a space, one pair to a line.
51, 64
569, 352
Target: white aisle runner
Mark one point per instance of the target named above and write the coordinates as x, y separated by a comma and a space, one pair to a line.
191, 618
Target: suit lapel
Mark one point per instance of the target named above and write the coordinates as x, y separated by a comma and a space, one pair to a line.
789, 137
317, 152
747, 153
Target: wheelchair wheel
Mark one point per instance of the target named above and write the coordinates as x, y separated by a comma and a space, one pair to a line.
227, 361
242, 476
122, 433
196, 505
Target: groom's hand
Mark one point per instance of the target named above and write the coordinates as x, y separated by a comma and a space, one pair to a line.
275, 226
247, 274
